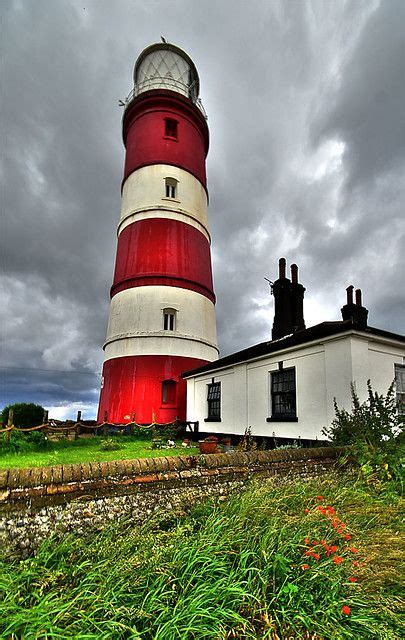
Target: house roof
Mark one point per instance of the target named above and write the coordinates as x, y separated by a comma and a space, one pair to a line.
317, 332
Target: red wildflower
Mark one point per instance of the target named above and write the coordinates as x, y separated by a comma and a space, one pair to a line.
342, 525
354, 550
352, 579
340, 530
348, 537
316, 556
305, 566
331, 510
333, 548
346, 610
337, 559
320, 498
306, 540
306, 510
355, 563
321, 509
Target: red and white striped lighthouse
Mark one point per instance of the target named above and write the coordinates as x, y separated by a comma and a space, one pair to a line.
162, 314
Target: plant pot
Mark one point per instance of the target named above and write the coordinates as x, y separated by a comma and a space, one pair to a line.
207, 447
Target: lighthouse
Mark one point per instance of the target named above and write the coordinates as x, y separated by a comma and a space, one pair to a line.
162, 312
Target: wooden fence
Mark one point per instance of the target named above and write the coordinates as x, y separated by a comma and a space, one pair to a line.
104, 428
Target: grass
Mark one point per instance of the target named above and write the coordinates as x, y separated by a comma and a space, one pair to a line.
88, 450
229, 569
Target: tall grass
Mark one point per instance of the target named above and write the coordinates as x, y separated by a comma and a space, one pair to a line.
231, 569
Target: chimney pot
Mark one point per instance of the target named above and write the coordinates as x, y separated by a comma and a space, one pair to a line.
358, 297
349, 291
294, 273
281, 268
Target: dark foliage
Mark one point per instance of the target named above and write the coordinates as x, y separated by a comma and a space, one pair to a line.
26, 414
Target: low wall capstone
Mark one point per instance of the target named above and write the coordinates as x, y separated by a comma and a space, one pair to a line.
36, 502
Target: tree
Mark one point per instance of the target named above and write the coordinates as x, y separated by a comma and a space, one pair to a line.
26, 414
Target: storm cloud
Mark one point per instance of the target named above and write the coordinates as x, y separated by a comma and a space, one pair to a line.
306, 109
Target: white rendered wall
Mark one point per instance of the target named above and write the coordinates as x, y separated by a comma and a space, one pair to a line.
323, 371
144, 191
135, 324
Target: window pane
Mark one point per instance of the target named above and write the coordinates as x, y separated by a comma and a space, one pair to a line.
168, 392
169, 320
214, 400
171, 128
283, 396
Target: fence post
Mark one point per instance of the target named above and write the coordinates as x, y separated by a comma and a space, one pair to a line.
10, 424
132, 427
45, 422
77, 425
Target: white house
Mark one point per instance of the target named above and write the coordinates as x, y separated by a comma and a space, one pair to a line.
285, 388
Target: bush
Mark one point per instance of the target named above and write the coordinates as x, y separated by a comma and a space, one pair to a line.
374, 429
167, 431
110, 445
247, 442
21, 442
26, 414
374, 423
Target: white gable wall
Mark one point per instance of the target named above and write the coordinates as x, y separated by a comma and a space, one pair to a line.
324, 370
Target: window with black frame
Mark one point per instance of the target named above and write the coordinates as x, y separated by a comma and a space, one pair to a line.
214, 402
283, 395
400, 388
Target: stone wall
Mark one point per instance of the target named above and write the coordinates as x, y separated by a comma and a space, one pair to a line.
37, 502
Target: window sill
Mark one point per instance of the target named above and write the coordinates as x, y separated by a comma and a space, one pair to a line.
282, 419
212, 419
171, 199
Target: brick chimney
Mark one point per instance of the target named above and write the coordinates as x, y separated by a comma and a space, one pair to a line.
288, 302
297, 300
354, 311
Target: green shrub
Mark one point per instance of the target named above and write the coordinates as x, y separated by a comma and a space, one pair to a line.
167, 431
26, 414
374, 429
110, 445
20, 442
374, 423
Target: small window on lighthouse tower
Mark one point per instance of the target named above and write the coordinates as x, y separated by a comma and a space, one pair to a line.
170, 128
169, 319
168, 392
171, 187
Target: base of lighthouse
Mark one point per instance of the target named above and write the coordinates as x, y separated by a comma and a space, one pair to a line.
149, 387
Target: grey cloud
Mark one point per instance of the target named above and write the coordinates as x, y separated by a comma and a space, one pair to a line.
280, 81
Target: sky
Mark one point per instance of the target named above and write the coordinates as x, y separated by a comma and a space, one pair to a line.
306, 110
